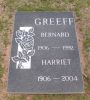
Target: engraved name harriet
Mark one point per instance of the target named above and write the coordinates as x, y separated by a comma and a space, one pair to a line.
56, 62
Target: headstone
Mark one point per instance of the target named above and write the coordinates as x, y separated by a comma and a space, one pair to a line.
44, 54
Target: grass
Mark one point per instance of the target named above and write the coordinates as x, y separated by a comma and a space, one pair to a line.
64, 97
3, 31
44, 5
78, 6
1, 71
87, 40
1, 26
87, 43
14, 97
1, 68
5, 39
37, 97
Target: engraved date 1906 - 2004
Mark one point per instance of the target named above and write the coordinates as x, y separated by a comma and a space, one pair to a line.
61, 78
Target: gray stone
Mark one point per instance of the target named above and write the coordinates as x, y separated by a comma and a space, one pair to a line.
44, 54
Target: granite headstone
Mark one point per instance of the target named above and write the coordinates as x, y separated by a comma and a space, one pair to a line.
44, 54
